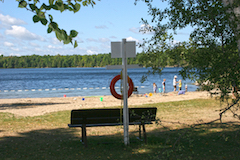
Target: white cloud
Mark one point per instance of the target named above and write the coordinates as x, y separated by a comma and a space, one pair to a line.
143, 29
113, 37
37, 50
95, 48
92, 40
183, 33
92, 49
22, 33
8, 44
25, 47
54, 47
33, 44
134, 30
105, 48
79, 40
15, 49
50, 46
90, 52
99, 40
55, 41
15, 54
101, 27
103, 40
146, 29
132, 39
8, 20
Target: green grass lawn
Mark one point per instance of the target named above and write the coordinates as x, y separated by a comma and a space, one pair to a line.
48, 137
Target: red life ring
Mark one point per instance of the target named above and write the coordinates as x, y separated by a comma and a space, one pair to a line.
112, 88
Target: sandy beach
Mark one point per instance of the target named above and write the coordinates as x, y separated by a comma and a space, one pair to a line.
40, 106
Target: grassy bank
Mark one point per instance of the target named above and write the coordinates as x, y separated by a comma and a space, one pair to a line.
48, 137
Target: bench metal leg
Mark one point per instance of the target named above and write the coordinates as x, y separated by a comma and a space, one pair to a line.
140, 134
144, 133
84, 135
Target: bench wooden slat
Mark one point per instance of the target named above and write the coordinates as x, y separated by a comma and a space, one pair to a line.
107, 124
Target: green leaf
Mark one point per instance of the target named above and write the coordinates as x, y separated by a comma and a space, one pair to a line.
66, 40
44, 6
36, 19
55, 7
73, 33
54, 25
70, 9
41, 15
22, 4
44, 21
66, 6
32, 6
37, 10
75, 44
59, 35
49, 30
84, 3
60, 6
51, 2
50, 17
64, 33
77, 7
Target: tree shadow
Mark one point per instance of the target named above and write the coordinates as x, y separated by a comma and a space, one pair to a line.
25, 105
217, 141
204, 141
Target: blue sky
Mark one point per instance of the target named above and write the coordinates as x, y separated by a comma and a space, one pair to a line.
109, 20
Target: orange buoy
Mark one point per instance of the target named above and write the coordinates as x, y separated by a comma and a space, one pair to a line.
112, 87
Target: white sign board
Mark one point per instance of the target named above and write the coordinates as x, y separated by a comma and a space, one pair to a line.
116, 49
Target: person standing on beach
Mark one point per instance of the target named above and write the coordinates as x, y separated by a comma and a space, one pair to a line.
180, 85
175, 83
164, 85
154, 88
186, 87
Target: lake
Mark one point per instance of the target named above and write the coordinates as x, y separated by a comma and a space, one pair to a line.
56, 82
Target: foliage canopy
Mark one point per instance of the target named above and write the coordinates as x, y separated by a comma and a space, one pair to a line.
212, 50
212, 53
41, 15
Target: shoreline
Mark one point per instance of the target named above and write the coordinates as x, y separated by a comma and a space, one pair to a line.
39, 106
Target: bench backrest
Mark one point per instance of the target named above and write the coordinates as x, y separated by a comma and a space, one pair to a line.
101, 116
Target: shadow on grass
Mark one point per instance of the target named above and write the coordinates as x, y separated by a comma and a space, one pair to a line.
204, 142
25, 105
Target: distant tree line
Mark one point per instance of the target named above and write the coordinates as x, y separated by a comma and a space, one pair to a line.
61, 61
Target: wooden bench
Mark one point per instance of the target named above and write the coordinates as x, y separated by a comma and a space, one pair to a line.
111, 117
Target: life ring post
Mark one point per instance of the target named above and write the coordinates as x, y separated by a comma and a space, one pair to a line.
124, 50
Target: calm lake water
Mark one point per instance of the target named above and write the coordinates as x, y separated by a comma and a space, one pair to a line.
56, 82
